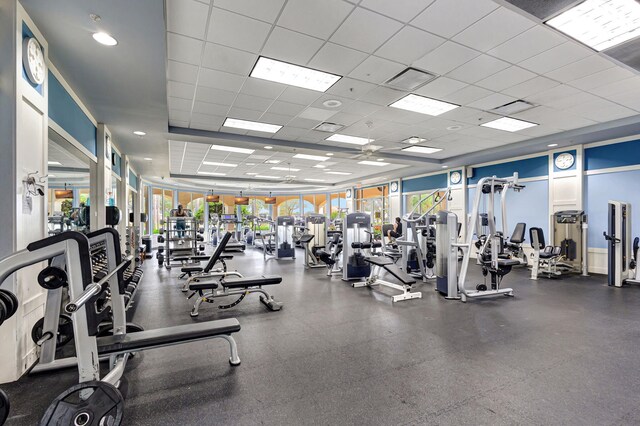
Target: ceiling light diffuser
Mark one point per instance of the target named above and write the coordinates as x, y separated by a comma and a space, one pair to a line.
310, 157
315, 180
211, 173
328, 127
105, 39
423, 105
320, 166
273, 161
338, 173
232, 149
509, 124
551, 145
215, 163
286, 169
139, 133
251, 125
54, 163
268, 147
421, 149
600, 24
373, 163
268, 177
293, 75
414, 139
354, 140
251, 174
329, 154
148, 158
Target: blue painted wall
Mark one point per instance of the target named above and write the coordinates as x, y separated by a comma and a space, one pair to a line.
68, 115
531, 167
133, 180
615, 155
425, 183
116, 164
617, 186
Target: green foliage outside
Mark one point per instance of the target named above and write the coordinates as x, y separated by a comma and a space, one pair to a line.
66, 207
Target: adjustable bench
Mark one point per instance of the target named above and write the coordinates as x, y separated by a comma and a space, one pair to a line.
188, 271
379, 263
151, 339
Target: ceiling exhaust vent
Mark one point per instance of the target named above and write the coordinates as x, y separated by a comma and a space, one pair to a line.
513, 107
328, 127
410, 79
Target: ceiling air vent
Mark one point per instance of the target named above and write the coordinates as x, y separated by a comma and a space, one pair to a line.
410, 79
513, 107
543, 9
328, 127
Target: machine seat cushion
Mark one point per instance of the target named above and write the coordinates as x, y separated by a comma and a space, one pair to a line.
147, 339
251, 281
507, 262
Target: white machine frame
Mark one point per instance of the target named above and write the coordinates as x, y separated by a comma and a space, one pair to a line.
620, 255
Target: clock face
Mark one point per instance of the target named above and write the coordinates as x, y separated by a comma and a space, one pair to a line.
33, 60
394, 186
456, 177
348, 193
564, 161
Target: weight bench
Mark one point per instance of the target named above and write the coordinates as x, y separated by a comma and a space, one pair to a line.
151, 339
188, 271
216, 256
379, 263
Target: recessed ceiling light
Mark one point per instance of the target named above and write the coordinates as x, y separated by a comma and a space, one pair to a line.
600, 24
251, 174
268, 177
211, 173
148, 158
50, 175
139, 133
354, 140
54, 163
373, 163
380, 159
409, 79
329, 154
290, 176
320, 166
215, 163
232, 149
251, 125
332, 103
421, 149
315, 180
286, 169
294, 75
508, 124
339, 173
250, 164
423, 105
104, 38
444, 167
454, 127
551, 145
414, 139
328, 127
273, 161
310, 157
268, 147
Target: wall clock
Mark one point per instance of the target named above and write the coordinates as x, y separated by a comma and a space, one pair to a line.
33, 60
394, 186
348, 193
565, 160
456, 178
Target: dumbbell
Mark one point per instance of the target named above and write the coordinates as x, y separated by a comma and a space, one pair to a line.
160, 239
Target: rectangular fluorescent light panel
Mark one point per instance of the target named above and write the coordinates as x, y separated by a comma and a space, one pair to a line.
215, 163
212, 173
293, 75
273, 162
600, 24
410, 79
54, 163
232, 149
373, 163
423, 105
251, 125
421, 149
414, 139
251, 174
268, 177
311, 157
320, 166
353, 140
509, 124
314, 180
328, 127
338, 173
286, 169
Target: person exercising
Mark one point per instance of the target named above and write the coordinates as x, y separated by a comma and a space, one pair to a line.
396, 231
180, 223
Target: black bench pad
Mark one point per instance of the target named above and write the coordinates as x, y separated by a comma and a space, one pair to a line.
508, 262
238, 282
140, 340
191, 269
391, 268
379, 260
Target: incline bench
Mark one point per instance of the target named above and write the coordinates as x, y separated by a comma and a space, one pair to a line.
216, 283
379, 263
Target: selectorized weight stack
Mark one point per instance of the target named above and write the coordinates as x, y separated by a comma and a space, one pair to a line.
355, 242
447, 254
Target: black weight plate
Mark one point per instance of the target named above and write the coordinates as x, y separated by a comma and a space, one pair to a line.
8, 303
16, 302
51, 278
4, 407
65, 330
104, 406
3, 312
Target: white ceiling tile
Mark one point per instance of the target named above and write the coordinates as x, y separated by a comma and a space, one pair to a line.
530, 43
184, 73
337, 59
290, 46
298, 95
318, 18
313, 113
446, 58
291, 133
187, 17
364, 30
210, 109
275, 119
237, 31
220, 80
383, 96
467, 95
303, 123
467, 116
265, 10
582, 68
252, 102
571, 101
183, 49
178, 123
492, 101
623, 86
285, 108
438, 18
494, 29
215, 96
408, 45
629, 98
600, 110
179, 103
376, 70
602, 78
477, 69
213, 121
402, 10
553, 94
180, 90
555, 58
506, 78
262, 88
440, 87
350, 88
175, 114
361, 108
535, 85
345, 118
227, 59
